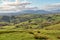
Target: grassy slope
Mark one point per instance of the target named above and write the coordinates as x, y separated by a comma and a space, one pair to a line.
53, 27
30, 34
16, 36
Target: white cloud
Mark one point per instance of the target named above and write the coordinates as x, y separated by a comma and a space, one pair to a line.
5, 7
15, 6
51, 6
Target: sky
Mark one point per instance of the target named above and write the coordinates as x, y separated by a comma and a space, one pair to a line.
40, 4
34, 2
49, 4
45, 2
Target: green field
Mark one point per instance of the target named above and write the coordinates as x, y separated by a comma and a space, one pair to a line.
30, 34
30, 27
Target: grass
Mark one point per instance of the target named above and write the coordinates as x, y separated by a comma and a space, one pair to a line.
30, 34
32, 29
16, 36
53, 27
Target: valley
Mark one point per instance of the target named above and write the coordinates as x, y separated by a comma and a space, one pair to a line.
30, 27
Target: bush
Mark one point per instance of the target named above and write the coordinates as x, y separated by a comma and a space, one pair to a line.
38, 31
31, 33
41, 37
58, 37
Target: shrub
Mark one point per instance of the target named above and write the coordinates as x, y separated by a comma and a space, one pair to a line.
31, 33
17, 26
38, 31
58, 37
41, 37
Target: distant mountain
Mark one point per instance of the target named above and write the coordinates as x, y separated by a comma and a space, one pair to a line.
35, 11
55, 11
26, 11
31, 12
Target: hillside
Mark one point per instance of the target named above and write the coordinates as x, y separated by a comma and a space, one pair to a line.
53, 27
30, 27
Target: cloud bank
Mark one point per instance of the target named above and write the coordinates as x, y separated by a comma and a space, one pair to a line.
51, 6
7, 6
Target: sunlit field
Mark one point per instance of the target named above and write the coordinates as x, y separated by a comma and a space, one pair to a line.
30, 27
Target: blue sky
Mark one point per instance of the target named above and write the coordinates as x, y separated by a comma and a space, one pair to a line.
34, 2
45, 2
41, 2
